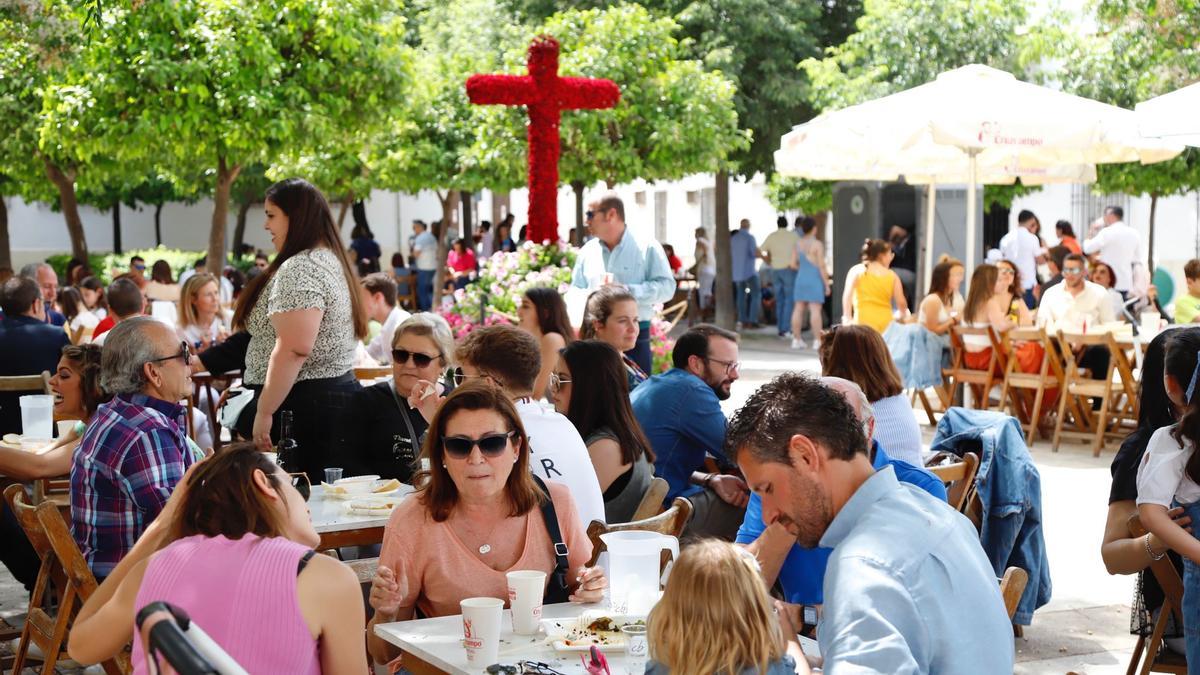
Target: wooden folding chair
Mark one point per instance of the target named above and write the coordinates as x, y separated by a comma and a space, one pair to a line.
1012, 585
959, 478
62, 564
671, 521
409, 300
76, 335
1115, 389
980, 381
27, 384
651, 504
1157, 659
1025, 393
372, 372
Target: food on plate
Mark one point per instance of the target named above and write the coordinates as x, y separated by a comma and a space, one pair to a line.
597, 630
390, 485
12, 439
375, 505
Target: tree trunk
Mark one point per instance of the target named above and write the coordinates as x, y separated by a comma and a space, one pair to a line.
216, 237
723, 287
500, 202
468, 223
1150, 242
577, 235
345, 206
5, 247
158, 224
116, 216
65, 182
239, 228
449, 208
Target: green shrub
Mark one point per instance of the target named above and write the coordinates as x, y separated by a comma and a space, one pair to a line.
105, 266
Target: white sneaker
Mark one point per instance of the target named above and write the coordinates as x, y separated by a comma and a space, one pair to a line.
797, 344
816, 345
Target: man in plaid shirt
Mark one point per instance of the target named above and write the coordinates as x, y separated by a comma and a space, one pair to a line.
135, 449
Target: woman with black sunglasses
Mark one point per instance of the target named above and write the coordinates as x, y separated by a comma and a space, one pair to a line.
479, 513
385, 424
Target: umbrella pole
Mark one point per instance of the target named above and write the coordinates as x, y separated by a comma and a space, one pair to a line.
930, 219
971, 221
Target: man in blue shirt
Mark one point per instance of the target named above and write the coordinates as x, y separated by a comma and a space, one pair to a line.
620, 255
28, 345
907, 588
801, 571
680, 412
743, 248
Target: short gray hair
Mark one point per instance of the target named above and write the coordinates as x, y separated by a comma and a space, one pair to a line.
30, 271
861, 404
126, 350
432, 326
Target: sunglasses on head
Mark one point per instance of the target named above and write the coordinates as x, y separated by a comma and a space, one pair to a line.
492, 445
400, 357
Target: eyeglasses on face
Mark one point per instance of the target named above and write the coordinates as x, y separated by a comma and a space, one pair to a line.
492, 445
420, 360
730, 366
185, 353
557, 381
1072, 271
598, 212
1006, 272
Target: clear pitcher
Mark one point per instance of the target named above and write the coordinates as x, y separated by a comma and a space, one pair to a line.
633, 569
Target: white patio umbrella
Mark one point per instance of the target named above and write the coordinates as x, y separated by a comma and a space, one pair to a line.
971, 124
1173, 117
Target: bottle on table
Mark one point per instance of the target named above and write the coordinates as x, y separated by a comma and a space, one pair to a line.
287, 449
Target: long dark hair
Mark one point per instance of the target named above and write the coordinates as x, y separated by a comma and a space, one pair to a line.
983, 287
71, 301
310, 225
86, 359
94, 284
1181, 363
601, 399
859, 354
939, 281
221, 498
551, 312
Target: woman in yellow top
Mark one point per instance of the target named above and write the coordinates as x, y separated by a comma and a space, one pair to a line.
878, 287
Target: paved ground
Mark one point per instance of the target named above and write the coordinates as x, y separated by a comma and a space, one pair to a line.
1085, 628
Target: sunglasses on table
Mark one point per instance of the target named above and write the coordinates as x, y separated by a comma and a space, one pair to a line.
401, 356
185, 353
492, 445
522, 668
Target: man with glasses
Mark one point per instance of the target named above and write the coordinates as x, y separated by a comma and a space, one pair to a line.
1074, 304
135, 449
619, 255
680, 411
511, 358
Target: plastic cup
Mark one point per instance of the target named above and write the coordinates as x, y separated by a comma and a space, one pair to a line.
333, 475
65, 427
37, 416
638, 649
525, 590
481, 630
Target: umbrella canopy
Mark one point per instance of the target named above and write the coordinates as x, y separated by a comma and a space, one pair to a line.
1172, 116
974, 124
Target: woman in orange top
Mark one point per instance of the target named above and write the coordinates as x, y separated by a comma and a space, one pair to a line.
878, 287
1066, 237
477, 516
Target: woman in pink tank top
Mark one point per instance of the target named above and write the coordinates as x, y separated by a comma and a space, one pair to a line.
233, 548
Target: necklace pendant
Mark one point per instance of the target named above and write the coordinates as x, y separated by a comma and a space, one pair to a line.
485, 549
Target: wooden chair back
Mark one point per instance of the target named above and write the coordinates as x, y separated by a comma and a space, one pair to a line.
959, 478
372, 372
1115, 388
1157, 659
39, 384
409, 300
63, 565
651, 504
1012, 585
980, 380
671, 521
76, 335
1020, 386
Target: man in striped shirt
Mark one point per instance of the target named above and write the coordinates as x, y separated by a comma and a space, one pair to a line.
135, 449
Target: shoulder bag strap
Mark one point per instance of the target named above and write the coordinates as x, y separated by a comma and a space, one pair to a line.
558, 590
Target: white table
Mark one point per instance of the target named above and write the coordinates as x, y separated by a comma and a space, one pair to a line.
339, 527
438, 643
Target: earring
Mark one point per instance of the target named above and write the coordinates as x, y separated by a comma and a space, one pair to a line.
444, 466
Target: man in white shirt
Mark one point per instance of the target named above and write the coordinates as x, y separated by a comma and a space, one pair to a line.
380, 292
424, 249
1022, 248
1119, 245
1077, 304
511, 358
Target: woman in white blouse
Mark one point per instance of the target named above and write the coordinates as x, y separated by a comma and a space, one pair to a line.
304, 315
200, 323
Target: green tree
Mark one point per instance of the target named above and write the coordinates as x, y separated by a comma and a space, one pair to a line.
205, 88
798, 194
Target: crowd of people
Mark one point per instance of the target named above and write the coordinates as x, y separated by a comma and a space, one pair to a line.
516, 437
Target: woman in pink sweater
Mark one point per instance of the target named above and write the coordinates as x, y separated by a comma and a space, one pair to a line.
238, 559
478, 514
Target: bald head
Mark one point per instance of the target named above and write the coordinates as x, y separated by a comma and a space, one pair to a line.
857, 399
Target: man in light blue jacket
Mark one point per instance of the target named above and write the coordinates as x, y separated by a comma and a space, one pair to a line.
621, 256
907, 588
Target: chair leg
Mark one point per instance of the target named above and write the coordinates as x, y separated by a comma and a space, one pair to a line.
1101, 427
1058, 424
928, 408
1136, 657
1035, 415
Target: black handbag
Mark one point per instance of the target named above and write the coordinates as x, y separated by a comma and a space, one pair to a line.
558, 589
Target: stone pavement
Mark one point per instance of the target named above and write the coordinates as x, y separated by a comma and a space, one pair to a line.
1084, 629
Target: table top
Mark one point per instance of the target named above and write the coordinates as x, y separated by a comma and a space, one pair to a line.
438, 642
332, 515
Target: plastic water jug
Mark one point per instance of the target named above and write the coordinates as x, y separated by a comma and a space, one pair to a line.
37, 416
633, 562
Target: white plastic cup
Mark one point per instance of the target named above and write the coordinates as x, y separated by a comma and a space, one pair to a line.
481, 630
525, 590
65, 427
37, 416
638, 649
333, 474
